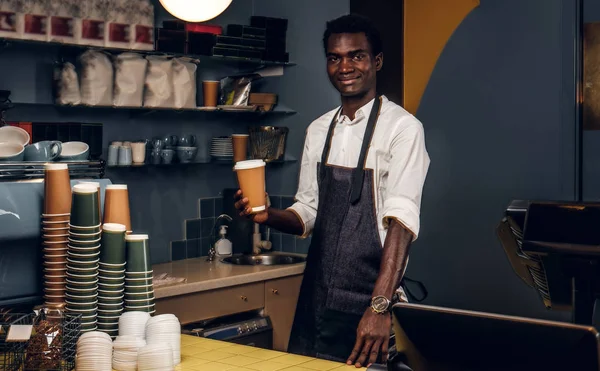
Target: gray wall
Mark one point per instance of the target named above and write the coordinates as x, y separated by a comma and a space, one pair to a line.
162, 198
499, 125
591, 139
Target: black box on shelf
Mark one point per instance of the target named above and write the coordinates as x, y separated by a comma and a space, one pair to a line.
201, 43
269, 23
171, 41
239, 30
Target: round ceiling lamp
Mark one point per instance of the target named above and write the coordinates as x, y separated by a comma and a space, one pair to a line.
195, 10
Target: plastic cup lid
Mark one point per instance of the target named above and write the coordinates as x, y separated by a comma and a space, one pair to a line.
116, 186
240, 135
114, 227
136, 237
56, 167
248, 164
84, 188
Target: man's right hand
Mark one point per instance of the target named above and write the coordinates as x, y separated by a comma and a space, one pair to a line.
241, 204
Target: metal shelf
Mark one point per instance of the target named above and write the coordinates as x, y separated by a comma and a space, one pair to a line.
35, 170
67, 49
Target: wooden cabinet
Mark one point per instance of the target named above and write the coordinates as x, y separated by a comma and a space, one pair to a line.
281, 296
278, 297
203, 305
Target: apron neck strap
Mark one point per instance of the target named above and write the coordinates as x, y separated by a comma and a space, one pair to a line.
359, 172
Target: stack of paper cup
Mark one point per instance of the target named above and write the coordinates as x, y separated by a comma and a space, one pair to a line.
82, 255
55, 231
111, 278
165, 328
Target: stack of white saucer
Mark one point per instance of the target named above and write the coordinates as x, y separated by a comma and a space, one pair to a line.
155, 357
134, 324
125, 352
165, 328
94, 352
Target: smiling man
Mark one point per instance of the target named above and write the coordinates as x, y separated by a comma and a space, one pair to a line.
361, 178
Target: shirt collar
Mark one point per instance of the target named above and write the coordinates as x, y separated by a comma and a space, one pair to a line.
361, 113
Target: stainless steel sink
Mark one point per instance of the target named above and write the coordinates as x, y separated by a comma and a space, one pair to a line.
265, 259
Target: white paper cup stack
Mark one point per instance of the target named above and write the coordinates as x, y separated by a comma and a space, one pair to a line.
155, 357
134, 324
94, 352
125, 352
165, 328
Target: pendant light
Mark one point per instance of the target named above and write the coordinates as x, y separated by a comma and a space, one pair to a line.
195, 10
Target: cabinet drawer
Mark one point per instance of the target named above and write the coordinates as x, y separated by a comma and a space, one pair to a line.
214, 303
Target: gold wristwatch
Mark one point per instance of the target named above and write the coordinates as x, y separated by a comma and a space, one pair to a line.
380, 304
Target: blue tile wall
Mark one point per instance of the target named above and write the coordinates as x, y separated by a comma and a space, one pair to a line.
199, 233
178, 250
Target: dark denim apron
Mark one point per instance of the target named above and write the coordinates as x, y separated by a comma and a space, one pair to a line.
344, 257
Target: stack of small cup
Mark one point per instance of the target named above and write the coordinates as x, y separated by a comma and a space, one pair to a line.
55, 230
116, 205
139, 291
111, 276
83, 255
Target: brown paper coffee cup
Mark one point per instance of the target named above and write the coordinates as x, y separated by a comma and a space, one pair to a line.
251, 178
211, 93
240, 147
116, 205
57, 189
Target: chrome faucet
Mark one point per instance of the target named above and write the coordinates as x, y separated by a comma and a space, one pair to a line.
212, 252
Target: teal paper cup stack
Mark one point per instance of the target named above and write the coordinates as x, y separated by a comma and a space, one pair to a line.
83, 250
111, 278
139, 291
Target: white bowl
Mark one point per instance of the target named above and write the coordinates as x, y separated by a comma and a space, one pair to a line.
14, 134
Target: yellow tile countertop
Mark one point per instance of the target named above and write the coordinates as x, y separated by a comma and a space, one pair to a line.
199, 354
202, 275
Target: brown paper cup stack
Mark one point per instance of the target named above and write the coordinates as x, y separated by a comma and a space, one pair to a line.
55, 232
116, 205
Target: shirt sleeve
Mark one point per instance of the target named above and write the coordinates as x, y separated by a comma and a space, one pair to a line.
307, 197
408, 168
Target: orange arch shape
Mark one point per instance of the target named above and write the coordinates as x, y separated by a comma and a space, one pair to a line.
428, 25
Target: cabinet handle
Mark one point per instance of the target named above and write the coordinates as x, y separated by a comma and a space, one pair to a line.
244, 298
275, 291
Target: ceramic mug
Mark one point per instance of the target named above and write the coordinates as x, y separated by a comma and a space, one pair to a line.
113, 155
167, 156
139, 152
124, 156
46, 150
170, 140
187, 140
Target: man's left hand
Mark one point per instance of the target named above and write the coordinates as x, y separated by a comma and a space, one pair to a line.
372, 337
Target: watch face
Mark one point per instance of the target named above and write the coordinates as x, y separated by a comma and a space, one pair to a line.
380, 304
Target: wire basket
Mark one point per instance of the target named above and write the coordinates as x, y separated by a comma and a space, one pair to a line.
51, 347
268, 142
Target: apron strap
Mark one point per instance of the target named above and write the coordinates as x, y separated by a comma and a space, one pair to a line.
327, 147
359, 173
410, 294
